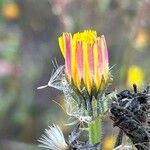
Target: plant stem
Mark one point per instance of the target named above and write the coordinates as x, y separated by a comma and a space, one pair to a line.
95, 130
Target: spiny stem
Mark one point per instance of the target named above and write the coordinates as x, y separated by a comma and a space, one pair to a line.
95, 130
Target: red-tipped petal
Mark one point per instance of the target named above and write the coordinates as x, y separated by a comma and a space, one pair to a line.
79, 57
68, 41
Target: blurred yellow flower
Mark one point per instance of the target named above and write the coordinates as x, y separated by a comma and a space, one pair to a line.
86, 59
141, 39
11, 11
135, 76
109, 142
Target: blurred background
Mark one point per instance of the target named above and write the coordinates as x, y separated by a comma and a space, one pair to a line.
29, 30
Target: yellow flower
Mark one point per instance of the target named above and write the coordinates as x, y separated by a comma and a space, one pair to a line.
135, 76
109, 142
11, 10
141, 39
86, 59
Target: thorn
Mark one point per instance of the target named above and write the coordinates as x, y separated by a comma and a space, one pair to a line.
135, 88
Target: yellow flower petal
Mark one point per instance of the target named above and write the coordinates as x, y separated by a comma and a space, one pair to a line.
86, 73
74, 72
61, 41
97, 77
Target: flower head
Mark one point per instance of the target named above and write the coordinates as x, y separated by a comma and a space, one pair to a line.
86, 59
11, 11
53, 139
135, 75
